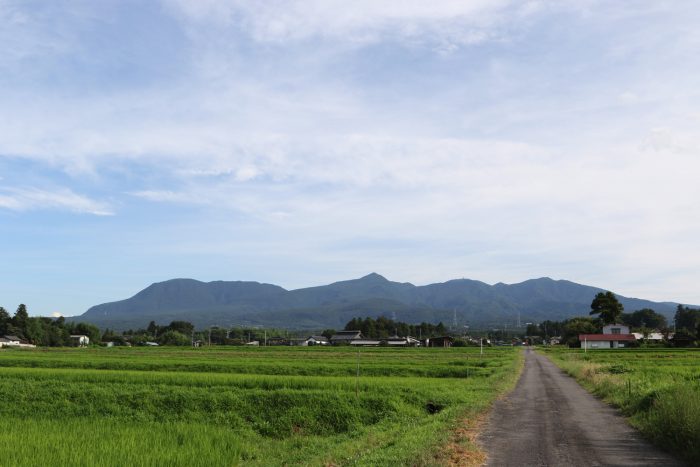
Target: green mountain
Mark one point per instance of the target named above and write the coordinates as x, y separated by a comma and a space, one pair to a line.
238, 303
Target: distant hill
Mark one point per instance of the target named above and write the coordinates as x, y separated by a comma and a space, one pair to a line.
330, 306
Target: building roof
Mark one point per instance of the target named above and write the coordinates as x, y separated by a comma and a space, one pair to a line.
12, 338
2, 339
606, 337
318, 338
346, 335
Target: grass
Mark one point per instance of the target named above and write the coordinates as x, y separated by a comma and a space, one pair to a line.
242, 406
658, 389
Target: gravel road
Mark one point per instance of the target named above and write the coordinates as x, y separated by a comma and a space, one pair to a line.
549, 420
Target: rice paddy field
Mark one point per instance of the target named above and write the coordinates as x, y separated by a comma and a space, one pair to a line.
245, 406
657, 388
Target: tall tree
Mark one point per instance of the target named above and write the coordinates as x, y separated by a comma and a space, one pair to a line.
5, 322
607, 307
20, 319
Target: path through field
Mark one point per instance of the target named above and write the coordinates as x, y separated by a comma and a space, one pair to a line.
549, 420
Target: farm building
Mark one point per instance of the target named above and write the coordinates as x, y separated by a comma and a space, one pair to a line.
9, 341
14, 341
80, 340
443, 341
345, 337
317, 340
407, 341
278, 341
365, 342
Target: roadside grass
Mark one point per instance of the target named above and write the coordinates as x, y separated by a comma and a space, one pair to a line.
266, 406
658, 389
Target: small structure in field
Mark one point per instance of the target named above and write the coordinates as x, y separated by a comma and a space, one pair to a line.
345, 337
442, 341
80, 340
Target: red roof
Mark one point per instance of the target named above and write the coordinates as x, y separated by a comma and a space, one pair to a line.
606, 337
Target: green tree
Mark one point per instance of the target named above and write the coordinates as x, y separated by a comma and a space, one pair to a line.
35, 331
607, 307
174, 338
5, 322
86, 329
645, 318
575, 326
20, 319
183, 327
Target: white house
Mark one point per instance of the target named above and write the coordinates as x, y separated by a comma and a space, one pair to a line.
616, 329
651, 337
316, 340
12, 341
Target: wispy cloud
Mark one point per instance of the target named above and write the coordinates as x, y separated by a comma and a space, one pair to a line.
62, 199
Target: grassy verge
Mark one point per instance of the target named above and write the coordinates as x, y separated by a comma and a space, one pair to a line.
658, 389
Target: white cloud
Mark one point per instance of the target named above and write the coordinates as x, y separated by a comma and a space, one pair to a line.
25, 199
445, 23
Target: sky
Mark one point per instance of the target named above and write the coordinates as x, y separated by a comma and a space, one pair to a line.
304, 142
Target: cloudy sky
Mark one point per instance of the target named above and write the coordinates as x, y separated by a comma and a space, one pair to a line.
303, 142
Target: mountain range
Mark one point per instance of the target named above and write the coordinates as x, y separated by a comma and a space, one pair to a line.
468, 302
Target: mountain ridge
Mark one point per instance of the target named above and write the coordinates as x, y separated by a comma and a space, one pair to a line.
250, 303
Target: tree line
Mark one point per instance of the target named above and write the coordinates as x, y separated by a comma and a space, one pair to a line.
383, 327
42, 331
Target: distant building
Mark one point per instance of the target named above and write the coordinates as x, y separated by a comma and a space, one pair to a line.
651, 337
365, 342
442, 341
317, 340
345, 337
80, 340
14, 341
616, 329
407, 341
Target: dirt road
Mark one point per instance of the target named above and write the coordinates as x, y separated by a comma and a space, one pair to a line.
549, 420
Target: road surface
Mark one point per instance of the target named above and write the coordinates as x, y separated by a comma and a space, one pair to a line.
549, 420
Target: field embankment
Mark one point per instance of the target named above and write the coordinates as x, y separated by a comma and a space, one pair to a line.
260, 406
658, 389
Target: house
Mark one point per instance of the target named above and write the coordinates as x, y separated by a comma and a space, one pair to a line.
616, 329
407, 341
80, 340
614, 336
442, 341
651, 337
12, 340
317, 340
556, 340
345, 337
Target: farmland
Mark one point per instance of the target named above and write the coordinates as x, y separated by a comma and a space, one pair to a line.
658, 389
230, 406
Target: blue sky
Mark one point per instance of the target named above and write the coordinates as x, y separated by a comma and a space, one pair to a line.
303, 142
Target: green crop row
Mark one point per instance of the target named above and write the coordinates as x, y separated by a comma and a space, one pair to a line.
658, 389
240, 406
